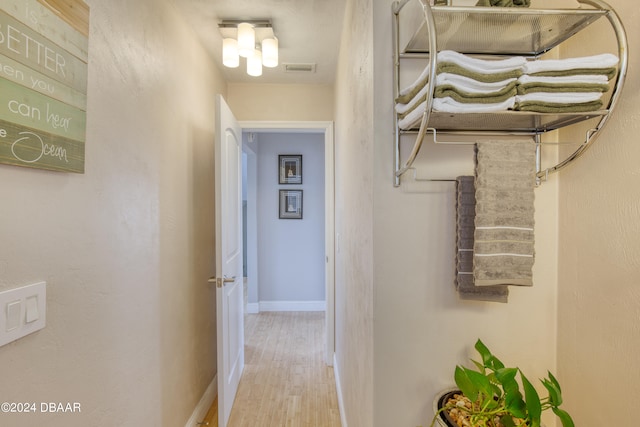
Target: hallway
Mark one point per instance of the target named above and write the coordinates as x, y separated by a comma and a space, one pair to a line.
285, 381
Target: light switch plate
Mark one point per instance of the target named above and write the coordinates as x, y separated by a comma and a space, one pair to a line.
22, 311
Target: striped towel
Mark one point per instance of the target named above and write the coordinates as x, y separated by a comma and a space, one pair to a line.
465, 217
504, 233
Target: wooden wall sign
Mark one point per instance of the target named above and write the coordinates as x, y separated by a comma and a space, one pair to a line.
43, 83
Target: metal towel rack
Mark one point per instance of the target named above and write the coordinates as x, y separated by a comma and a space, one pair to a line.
548, 29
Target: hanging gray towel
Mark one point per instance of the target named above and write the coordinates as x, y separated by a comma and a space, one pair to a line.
504, 224
465, 217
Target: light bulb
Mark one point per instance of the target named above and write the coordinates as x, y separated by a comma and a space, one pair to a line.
230, 56
254, 64
246, 39
270, 52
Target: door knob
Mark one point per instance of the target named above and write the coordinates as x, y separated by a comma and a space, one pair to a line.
221, 282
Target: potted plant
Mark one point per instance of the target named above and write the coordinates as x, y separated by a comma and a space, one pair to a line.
490, 396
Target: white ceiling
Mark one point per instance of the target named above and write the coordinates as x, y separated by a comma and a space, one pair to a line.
308, 31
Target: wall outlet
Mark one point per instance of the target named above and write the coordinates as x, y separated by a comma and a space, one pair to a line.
22, 311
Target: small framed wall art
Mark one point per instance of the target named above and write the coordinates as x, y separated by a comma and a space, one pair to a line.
290, 168
290, 204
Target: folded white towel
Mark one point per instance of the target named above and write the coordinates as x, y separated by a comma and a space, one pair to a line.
483, 66
467, 84
582, 78
412, 119
604, 60
419, 82
560, 97
450, 105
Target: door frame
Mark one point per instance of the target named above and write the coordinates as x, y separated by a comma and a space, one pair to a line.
326, 128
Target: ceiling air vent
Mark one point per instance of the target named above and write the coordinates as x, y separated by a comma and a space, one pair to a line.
299, 68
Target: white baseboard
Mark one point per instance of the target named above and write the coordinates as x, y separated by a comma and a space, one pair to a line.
336, 374
292, 305
205, 403
253, 308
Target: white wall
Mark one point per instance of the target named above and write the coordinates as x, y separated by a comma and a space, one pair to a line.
127, 247
291, 252
599, 296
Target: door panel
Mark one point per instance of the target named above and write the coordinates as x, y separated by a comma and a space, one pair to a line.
229, 280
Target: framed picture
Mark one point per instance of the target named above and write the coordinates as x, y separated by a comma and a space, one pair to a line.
290, 168
290, 204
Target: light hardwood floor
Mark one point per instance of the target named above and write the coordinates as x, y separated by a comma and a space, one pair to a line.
285, 381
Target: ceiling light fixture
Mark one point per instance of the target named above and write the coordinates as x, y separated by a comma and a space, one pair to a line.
251, 39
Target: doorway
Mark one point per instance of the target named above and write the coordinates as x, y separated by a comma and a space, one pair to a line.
324, 129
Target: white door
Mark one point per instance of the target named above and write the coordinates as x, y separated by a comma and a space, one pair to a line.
229, 280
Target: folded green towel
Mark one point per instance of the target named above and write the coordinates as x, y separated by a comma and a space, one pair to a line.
609, 72
504, 3
477, 98
450, 67
404, 99
552, 107
524, 88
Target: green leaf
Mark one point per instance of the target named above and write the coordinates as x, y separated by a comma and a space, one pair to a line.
484, 352
532, 399
488, 359
481, 382
507, 378
506, 375
476, 387
515, 404
554, 381
465, 384
495, 363
507, 421
564, 416
480, 366
555, 397
512, 396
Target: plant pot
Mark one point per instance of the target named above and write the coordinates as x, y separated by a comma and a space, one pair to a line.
443, 418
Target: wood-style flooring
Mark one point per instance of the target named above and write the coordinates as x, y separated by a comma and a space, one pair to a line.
286, 382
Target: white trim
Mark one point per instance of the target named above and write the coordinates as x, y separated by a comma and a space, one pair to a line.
205, 404
252, 308
292, 306
329, 243
285, 126
336, 374
325, 127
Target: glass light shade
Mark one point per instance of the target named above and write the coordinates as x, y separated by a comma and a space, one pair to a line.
246, 40
254, 64
270, 52
230, 57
